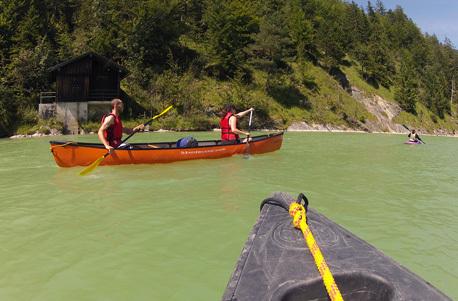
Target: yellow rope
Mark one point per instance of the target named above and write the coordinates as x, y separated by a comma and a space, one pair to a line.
297, 211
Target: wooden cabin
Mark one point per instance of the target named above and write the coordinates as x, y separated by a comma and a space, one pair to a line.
89, 77
85, 85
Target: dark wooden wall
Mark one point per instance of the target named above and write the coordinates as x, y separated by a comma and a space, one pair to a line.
104, 81
87, 79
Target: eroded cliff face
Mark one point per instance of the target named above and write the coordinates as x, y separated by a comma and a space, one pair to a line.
384, 112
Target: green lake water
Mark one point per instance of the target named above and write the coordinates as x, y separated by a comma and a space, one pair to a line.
175, 231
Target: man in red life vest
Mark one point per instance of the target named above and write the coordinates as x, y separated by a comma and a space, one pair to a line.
229, 131
111, 130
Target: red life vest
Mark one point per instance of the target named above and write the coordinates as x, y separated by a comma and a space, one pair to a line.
114, 132
226, 133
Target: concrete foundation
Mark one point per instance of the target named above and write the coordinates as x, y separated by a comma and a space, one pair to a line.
46, 110
96, 109
72, 114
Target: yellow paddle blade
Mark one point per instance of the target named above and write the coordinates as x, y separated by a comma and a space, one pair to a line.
163, 112
92, 166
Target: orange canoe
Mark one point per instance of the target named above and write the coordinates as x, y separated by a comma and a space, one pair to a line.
69, 154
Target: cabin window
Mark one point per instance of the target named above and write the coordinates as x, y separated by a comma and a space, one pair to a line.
76, 83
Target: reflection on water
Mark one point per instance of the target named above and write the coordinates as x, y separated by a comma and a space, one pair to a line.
175, 231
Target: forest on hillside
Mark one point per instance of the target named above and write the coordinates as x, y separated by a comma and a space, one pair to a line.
169, 45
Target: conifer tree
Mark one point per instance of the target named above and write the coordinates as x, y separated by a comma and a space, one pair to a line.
272, 44
230, 28
406, 85
380, 8
332, 39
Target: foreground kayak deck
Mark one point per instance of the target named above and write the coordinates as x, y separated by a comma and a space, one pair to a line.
276, 265
69, 154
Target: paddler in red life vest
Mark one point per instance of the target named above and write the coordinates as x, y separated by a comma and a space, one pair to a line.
229, 131
111, 130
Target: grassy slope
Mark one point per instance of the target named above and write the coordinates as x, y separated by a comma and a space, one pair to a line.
306, 93
356, 80
426, 120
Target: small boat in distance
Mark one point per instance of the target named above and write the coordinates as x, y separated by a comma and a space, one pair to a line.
69, 154
413, 142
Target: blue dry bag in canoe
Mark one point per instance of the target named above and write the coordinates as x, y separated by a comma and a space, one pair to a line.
188, 141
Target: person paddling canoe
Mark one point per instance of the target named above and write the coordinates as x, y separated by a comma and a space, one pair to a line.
229, 131
111, 130
414, 137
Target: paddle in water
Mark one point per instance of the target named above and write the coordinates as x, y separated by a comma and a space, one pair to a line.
99, 160
246, 155
405, 126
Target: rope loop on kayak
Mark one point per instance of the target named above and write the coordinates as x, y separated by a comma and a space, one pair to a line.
61, 145
299, 214
302, 198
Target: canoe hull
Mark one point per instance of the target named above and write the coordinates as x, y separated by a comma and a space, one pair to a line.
79, 154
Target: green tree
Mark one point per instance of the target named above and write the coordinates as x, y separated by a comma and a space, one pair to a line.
302, 23
406, 87
156, 28
377, 65
332, 39
230, 29
435, 84
357, 27
272, 44
380, 8
192, 12
27, 73
7, 110
401, 31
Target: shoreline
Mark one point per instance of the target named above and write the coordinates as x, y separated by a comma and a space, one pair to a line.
322, 130
374, 132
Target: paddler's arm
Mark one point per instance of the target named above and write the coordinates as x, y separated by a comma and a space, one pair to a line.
241, 114
138, 128
109, 120
233, 125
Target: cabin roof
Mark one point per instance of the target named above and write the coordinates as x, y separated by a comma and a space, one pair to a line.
123, 71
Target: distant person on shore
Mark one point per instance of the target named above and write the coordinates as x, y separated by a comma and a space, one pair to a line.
229, 131
414, 137
111, 130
